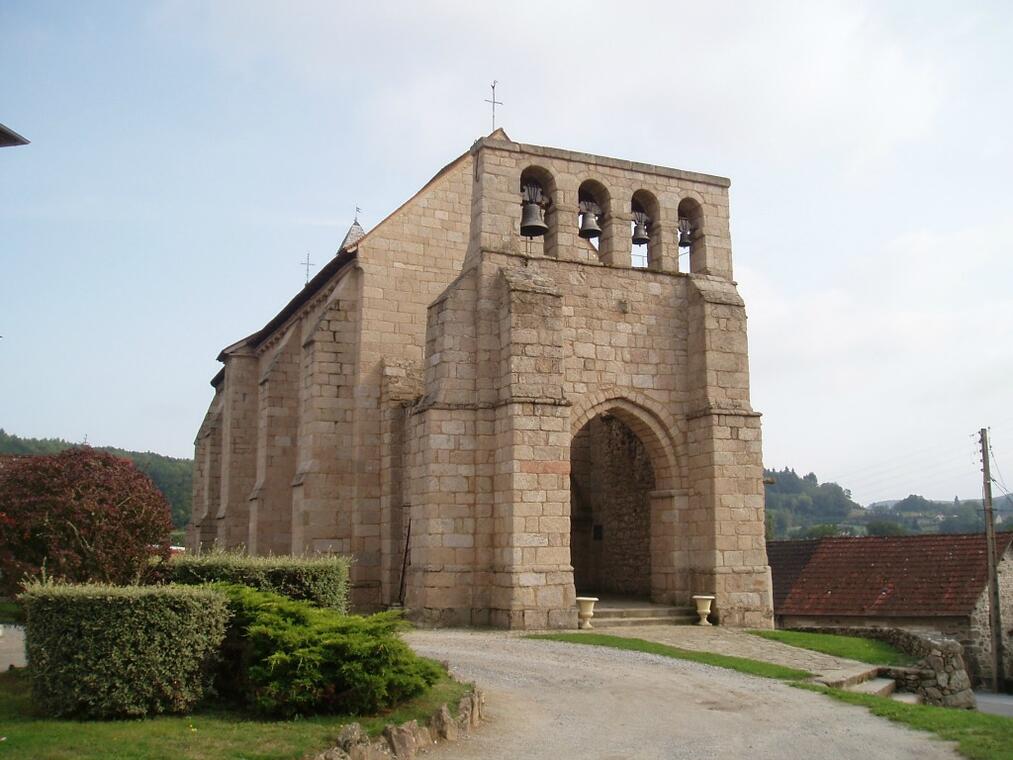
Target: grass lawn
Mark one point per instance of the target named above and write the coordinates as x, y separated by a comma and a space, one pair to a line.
978, 736
853, 647
11, 612
740, 664
205, 735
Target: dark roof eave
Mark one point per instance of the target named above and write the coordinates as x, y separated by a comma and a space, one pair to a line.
9, 138
342, 258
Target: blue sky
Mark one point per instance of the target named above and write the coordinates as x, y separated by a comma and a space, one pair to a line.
186, 156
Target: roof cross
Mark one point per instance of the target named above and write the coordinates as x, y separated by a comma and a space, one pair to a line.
307, 265
494, 104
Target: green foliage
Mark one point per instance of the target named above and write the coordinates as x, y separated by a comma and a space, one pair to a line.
289, 658
321, 580
822, 530
978, 736
967, 518
209, 733
914, 504
110, 651
82, 515
11, 612
172, 476
852, 647
740, 664
796, 504
885, 528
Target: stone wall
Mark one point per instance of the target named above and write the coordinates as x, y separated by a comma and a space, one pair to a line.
610, 511
979, 643
940, 676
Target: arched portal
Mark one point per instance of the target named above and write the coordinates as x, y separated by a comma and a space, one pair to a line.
611, 480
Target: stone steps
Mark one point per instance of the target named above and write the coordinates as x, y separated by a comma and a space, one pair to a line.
647, 614
868, 681
879, 687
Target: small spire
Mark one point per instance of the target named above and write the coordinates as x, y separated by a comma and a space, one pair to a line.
354, 235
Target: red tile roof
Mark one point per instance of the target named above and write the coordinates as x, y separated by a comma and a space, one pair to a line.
881, 576
787, 561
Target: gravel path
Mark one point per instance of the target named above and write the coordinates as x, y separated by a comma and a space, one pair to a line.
551, 700
12, 647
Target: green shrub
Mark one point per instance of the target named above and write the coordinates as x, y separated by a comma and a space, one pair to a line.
322, 580
288, 658
111, 651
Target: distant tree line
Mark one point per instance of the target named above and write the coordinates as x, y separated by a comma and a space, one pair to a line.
172, 476
802, 507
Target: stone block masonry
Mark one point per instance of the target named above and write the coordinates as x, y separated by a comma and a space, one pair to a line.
488, 422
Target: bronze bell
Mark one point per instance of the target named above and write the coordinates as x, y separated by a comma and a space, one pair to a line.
532, 224
640, 236
685, 234
589, 225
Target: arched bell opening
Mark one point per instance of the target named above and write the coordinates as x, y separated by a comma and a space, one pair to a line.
611, 481
538, 214
644, 230
690, 233
592, 210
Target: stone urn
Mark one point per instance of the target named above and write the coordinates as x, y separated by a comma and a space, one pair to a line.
585, 611
703, 607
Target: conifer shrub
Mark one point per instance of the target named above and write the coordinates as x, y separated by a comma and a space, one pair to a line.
321, 580
80, 515
286, 658
98, 651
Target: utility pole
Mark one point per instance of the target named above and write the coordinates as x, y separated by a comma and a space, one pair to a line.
993, 577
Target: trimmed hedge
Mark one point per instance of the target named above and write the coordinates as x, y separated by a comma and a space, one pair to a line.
321, 580
98, 651
289, 658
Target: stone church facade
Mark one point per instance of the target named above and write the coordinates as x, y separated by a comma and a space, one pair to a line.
491, 423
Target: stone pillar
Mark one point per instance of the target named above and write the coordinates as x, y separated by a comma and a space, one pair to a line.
239, 447
726, 532
271, 500
670, 568
444, 514
324, 485
202, 528
615, 247
401, 385
532, 577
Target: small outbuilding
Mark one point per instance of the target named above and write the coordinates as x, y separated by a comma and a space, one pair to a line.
925, 584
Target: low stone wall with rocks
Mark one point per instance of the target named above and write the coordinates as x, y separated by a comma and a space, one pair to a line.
940, 676
404, 742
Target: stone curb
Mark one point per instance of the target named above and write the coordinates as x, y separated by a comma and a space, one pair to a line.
403, 742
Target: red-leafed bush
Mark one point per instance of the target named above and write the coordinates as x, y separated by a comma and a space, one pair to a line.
83, 515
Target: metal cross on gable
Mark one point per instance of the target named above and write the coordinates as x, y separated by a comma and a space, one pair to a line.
494, 104
307, 265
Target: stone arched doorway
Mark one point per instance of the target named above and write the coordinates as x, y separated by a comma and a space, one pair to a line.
611, 480
625, 504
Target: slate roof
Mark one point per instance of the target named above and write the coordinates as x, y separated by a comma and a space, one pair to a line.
881, 576
354, 235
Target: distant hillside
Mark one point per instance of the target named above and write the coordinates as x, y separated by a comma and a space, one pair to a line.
802, 507
172, 476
